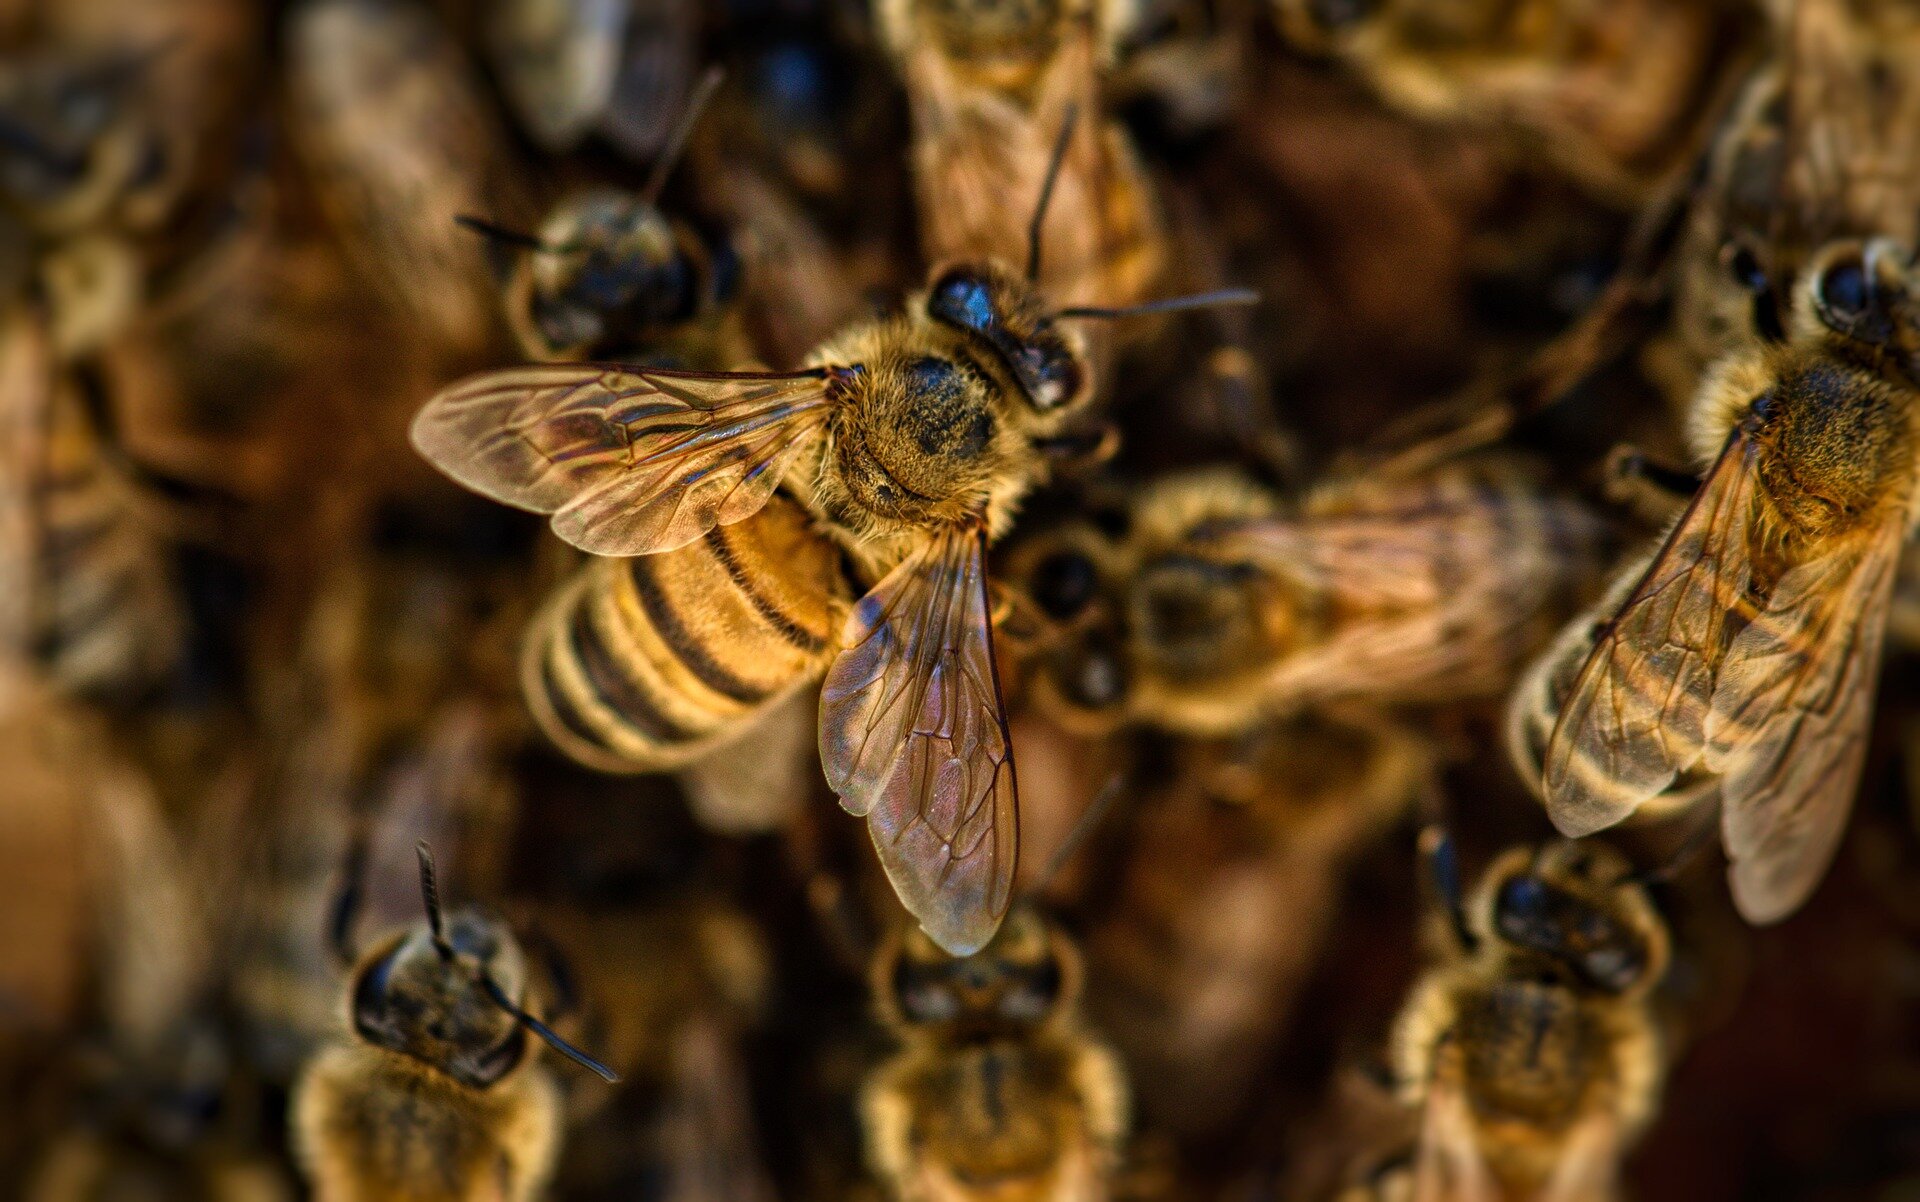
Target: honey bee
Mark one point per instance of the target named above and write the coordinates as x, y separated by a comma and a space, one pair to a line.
1738, 661
1616, 94
609, 274
89, 573
1218, 609
988, 85
1532, 1048
909, 440
399, 141
997, 1090
439, 1093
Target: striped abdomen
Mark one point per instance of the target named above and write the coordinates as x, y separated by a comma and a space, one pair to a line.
639, 665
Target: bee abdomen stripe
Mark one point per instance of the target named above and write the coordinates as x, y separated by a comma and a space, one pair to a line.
615, 688
687, 645
788, 629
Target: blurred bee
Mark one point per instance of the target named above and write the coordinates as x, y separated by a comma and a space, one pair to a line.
1226, 898
1738, 661
609, 275
439, 1094
572, 68
1216, 609
909, 441
89, 574
997, 1089
1617, 94
398, 139
1531, 1048
988, 85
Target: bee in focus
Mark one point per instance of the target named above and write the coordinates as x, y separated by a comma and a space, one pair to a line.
609, 275
1217, 608
439, 1094
1737, 663
909, 441
988, 85
398, 140
1531, 1048
1617, 94
997, 1089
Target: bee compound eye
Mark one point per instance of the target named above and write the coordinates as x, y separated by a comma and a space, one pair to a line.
1843, 291
1064, 583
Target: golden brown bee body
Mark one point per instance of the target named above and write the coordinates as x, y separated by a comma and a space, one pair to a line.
97, 603
438, 1092
1532, 1049
991, 87
905, 450
1390, 591
1615, 93
612, 276
397, 136
997, 1090
1739, 659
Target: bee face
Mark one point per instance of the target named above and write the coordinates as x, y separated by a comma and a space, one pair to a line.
1571, 907
1004, 314
407, 999
1019, 980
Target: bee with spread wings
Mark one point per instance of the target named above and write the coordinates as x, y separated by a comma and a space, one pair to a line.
1740, 660
908, 440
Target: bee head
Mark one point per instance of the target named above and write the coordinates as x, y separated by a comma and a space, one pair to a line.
1868, 293
1577, 907
1022, 979
1070, 575
1005, 318
419, 994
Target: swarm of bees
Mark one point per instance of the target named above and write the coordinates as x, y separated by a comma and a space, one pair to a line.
1349, 553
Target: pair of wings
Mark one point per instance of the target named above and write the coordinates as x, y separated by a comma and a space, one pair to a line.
913, 732
1771, 694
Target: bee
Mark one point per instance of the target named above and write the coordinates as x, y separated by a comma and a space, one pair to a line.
997, 1090
439, 1093
988, 84
90, 577
1617, 95
1218, 609
609, 275
1532, 1048
1225, 898
398, 139
1738, 660
903, 447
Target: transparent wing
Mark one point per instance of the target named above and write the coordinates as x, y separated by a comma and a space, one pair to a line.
1792, 709
1449, 1166
1636, 717
628, 461
913, 735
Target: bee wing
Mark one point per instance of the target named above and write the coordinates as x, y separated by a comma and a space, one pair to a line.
913, 735
628, 461
1791, 713
1637, 713
1589, 1164
1449, 1166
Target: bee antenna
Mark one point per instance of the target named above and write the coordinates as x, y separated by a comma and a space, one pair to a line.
677, 142
494, 232
1046, 190
1443, 871
553, 1040
430, 894
346, 905
1223, 299
1089, 819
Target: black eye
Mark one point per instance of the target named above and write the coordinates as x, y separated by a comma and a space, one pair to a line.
1746, 270
1843, 292
1521, 898
1063, 583
960, 298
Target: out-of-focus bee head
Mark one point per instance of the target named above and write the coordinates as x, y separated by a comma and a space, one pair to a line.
420, 997
1027, 976
1577, 907
610, 265
1071, 574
